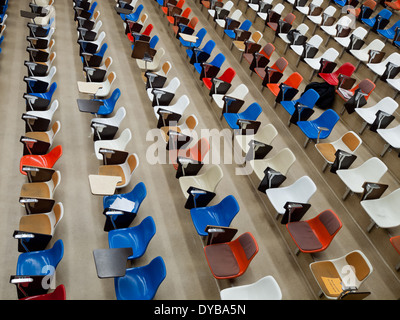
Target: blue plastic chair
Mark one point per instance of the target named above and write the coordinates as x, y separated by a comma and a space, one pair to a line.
152, 43
109, 104
136, 197
207, 48
46, 95
309, 99
390, 32
245, 26
100, 53
141, 283
40, 263
91, 9
218, 60
137, 237
134, 16
319, 128
383, 14
251, 113
220, 215
200, 36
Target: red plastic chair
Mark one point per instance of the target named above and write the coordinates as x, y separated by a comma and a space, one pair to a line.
185, 14
42, 161
395, 241
367, 3
146, 33
346, 69
231, 259
227, 77
58, 294
395, 5
316, 234
293, 81
197, 152
178, 5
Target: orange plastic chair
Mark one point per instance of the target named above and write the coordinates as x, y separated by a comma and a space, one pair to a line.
395, 5
316, 234
58, 294
185, 14
367, 3
231, 259
207, 4
395, 241
42, 161
293, 81
346, 69
227, 76
179, 5
197, 152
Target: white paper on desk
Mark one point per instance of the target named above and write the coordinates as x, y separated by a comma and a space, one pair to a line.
123, 204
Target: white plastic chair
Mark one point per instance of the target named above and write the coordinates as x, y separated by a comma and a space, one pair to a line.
280, 162
179, 107
379, 68
264, 289
300, 191
114, 121
362, 55
186, 127
227, 6
265, 134
45, 114
314, 41
256, 6
331, 54
359, 32
371, 170
278, 8
208, 180
47, 78
119, 143
306, 9
301, 28
153, 65
234, 16
392, 138
348, 142
328, 12
172, 87
384, 212
387, 105
240, 92
331, 31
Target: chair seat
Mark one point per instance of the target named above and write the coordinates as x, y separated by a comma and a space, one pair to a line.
273, 25
230, 33
260, 72
111, 170
388, 34
239, 45
304, 236
41, 136
325, 269
274, 88
327, 150
330, 78
310, 129
221, 260
37, 223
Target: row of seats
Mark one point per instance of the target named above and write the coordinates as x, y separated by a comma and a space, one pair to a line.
119, 209
388, 214
37, 263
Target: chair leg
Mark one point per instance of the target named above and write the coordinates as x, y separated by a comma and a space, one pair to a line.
325, 166
397, 266
371, 225
364, 126
306, 142
346, 194
297, 251
385, 149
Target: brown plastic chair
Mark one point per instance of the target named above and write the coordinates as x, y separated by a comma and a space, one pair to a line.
231, 259
43, 190
124, 170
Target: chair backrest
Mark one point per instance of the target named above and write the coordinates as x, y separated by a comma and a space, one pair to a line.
268, 50
54, 154
315, 41
328, 119
209, 46
240, 92
309, 98
166, 67
346, 69
256, 36
252, 112
278, 8
147, 31
384, 13
351, 140
54, 130
193, 22
246, 24
228, 75
280, 64
114, 96
294, 80
133, 162
218, 60
236, 15
186, 12
290, 17
228, 5
387, 104
330, 54
191, 122
180, 3
173, 85
302, 28
327, 224
330, 11
362, 267
102, 50
245, 248
200, 149
283, 160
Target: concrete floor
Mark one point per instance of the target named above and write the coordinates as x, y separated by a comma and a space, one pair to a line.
188, 275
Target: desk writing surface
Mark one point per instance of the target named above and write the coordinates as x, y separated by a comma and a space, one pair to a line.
111, 262
89, 87
188, 37
87, 105
103, 185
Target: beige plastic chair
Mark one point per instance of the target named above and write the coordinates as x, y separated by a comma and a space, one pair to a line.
44, 21
119, 143
265, 134
371, 170
186, 128
124, 170
102, 88
46, 136
44, 190
349, 142
255, 37
179, 107
351, 269
281, 162
208, 180
43, 223
153, 65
